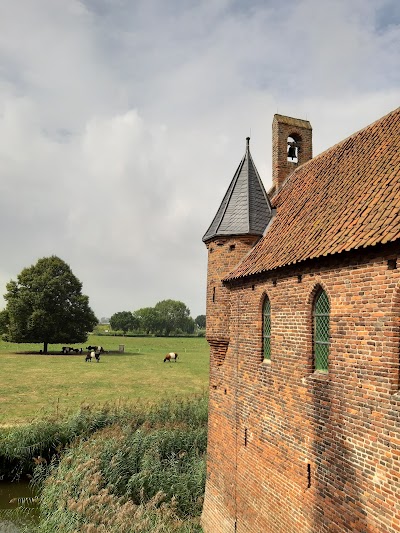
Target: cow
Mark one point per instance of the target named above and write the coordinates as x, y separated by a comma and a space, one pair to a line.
171, 356
92, 355
69, 349
98, 349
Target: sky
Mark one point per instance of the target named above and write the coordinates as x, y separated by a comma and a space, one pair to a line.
122, 123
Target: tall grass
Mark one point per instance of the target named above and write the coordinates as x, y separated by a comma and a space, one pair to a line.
145, 472
22, 447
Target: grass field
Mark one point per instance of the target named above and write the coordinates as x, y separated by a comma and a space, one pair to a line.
33, 385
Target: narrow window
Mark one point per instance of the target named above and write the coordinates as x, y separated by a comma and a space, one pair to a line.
267, 328
321, 313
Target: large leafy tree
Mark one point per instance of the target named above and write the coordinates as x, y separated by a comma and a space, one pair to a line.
166, 317
174, 315
46, 305
149, 320
124, 320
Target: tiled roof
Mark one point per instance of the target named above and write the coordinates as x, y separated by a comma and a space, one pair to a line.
245, 209
346, 198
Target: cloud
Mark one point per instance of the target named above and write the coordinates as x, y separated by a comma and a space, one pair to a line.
122, 123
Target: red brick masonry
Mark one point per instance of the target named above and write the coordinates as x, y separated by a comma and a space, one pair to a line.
292, 450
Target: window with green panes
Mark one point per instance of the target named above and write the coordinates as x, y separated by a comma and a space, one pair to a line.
267, 328
321, 331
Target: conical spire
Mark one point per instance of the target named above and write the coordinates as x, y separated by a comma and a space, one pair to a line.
245, 209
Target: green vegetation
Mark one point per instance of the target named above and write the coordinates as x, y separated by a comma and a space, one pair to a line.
46, 305
124, 321
200, 321
144, 472
39, 385
117, 446
168, 317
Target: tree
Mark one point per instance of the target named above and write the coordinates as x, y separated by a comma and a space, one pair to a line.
200, 321
124, 320
46, 305
174, 315
149, 320
189, 326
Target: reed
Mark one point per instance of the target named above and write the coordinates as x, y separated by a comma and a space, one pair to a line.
22, 447
122, 471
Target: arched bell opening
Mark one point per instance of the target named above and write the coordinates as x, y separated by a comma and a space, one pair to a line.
293, 147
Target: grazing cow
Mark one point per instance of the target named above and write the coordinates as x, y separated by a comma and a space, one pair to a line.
171, 356
98, 349
68, 349
92, 355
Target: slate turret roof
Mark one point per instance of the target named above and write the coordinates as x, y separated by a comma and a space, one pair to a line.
346, 198
245, 209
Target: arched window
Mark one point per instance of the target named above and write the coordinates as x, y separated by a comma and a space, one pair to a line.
321, 311
267, 329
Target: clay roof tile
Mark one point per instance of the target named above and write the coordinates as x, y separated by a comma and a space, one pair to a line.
346, 198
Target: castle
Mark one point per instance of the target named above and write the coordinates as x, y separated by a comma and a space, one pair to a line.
303, 322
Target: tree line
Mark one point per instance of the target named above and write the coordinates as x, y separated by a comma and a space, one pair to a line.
46, 305
168, 317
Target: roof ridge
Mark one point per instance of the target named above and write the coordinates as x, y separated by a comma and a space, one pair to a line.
230, 190
332, 148
247, 156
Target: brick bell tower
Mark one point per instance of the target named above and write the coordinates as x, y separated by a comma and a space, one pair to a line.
241, 220
291, 147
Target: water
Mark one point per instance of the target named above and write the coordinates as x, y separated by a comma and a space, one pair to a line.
12, 496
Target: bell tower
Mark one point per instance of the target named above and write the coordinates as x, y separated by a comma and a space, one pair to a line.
291, 147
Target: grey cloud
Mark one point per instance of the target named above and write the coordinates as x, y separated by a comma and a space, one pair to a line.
122, 123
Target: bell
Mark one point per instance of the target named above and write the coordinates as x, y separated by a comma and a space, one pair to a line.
292, 151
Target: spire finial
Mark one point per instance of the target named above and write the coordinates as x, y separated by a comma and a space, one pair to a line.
247, 142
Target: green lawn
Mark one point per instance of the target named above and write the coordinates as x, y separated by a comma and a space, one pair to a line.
32, 385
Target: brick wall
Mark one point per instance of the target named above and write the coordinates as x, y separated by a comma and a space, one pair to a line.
223, 255
282, 128
292, 450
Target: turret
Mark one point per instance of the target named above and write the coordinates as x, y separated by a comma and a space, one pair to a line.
241, 219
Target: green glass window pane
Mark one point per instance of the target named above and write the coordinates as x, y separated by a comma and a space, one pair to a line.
321, 356
322, 328
267, 348
321, 331
322, 304
267, 329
